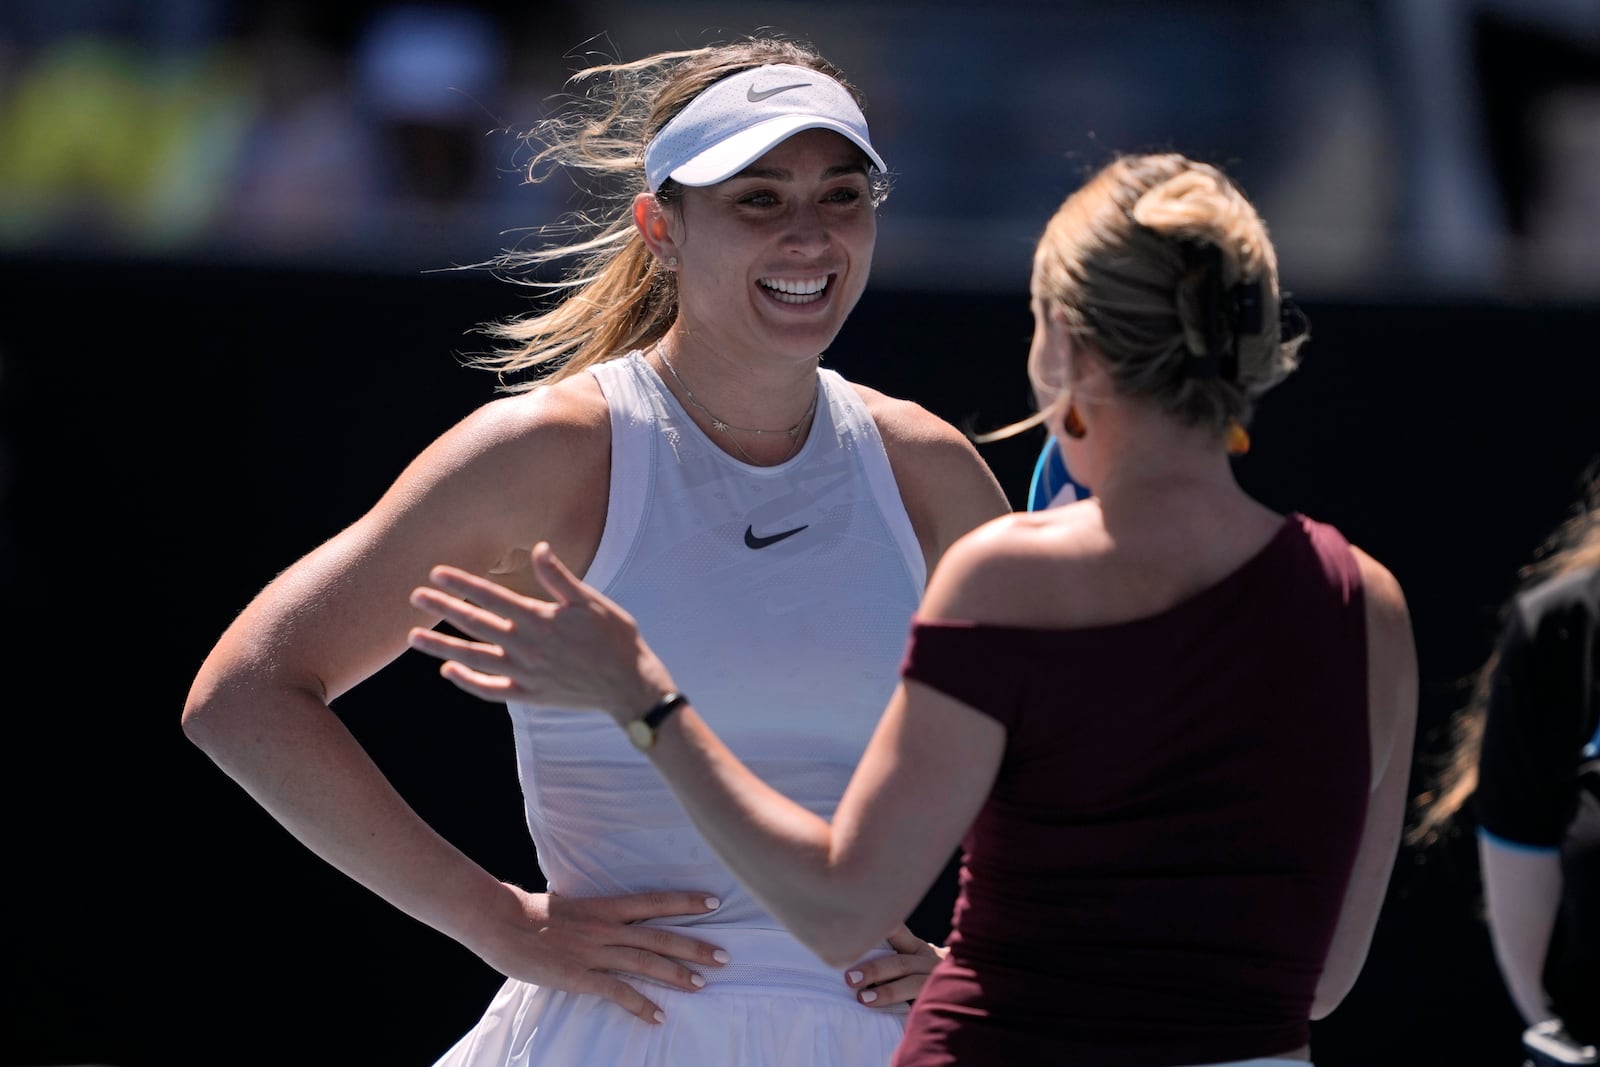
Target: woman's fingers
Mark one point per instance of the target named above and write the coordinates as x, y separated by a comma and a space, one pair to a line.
558, 580
464, 615
895, 979
577, 649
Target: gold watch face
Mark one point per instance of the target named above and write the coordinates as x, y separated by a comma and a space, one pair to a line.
641, 734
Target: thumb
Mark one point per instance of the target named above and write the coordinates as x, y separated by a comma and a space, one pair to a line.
903, 941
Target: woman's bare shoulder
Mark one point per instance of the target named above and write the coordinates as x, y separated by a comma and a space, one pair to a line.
905, 422
1386, 601
511, 470
572, 406
1010, 569
947, 487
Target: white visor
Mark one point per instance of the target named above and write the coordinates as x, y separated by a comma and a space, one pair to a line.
729, 125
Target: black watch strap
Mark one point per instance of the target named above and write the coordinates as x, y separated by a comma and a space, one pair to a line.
642, 731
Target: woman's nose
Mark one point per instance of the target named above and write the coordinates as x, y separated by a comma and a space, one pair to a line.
808, 228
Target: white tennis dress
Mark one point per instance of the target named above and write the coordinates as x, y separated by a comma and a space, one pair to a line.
781, 598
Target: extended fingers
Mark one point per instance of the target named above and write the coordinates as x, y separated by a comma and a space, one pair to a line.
667, 943
448, 646
656, 904
659, 953
473, 605
888, 994
475, 668
622, 994
902, 940
479, 590
558, 580
897, 978
620, 959
626, 914
632, 907
495, 688
464, 615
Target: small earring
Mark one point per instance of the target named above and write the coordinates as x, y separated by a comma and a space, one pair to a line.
1238, 439
1072, 423
672, 261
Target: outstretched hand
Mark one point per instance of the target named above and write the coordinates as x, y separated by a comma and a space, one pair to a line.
579, 649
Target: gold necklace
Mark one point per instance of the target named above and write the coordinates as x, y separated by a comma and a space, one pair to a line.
722, 426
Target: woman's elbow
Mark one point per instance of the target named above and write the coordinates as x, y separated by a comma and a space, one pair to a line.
839, 940
198, 720
211, 720
1330, 993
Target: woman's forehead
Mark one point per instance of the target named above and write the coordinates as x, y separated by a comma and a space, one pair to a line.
816, 150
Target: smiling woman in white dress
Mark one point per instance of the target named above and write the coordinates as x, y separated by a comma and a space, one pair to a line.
668, 428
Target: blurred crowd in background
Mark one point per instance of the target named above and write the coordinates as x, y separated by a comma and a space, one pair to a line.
1405, 149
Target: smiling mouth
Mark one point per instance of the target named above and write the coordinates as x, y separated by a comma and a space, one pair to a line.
797, 291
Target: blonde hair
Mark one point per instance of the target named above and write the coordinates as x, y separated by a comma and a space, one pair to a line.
1123, 263
613, 297
1573, 545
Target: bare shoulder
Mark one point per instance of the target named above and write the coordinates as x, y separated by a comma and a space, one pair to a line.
1019, 568
1386, 601
515, 470
907, 423
947, 487
555, 432
569, 411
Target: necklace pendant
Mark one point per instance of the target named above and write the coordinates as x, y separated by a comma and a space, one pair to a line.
717, 424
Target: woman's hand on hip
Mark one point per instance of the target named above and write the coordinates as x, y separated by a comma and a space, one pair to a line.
888, 981
594, 944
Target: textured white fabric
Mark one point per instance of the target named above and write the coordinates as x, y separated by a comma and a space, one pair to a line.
790, 651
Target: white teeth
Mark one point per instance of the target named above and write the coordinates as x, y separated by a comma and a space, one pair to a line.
792, 291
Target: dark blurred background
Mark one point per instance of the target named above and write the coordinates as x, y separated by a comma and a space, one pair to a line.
228, 317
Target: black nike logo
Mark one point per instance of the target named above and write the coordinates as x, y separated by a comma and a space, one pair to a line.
752, 541
755, 96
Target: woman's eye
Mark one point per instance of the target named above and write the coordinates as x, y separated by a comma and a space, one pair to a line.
761, 199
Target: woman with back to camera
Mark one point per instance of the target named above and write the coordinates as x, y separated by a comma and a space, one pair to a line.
1171, 727
686, 452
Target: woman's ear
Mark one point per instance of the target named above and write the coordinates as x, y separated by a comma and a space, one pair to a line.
651, 220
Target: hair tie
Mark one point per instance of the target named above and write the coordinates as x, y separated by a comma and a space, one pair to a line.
1233, 312
1292, 321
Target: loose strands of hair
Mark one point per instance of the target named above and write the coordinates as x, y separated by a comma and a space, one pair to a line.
1135, 263
611, 297
1572, 545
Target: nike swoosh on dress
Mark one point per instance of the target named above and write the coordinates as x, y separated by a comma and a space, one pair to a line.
753, 541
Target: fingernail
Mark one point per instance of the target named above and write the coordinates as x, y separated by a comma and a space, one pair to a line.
699, 982
712, 903
721, 956
868, 996
854, 977
660, 1016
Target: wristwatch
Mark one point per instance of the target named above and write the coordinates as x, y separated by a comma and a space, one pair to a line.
642, 731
